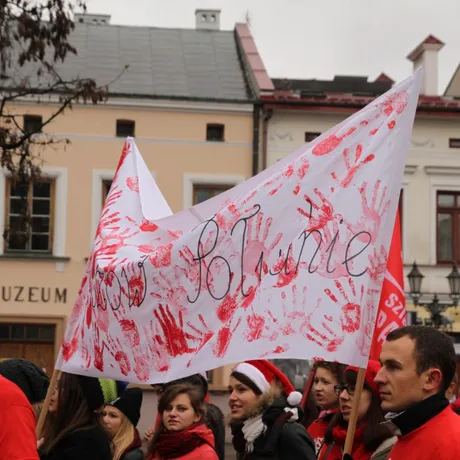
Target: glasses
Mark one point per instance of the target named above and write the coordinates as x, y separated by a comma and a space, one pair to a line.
350, 389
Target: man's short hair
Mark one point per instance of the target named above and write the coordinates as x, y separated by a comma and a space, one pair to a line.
433, 348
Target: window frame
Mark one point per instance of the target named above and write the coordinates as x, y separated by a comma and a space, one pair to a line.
310, 134
189, 179
210, 126
206, 186
32, 118
52, 216
125, 121
455, 225
453, 141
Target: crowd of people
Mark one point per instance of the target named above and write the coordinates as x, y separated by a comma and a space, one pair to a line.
407, 410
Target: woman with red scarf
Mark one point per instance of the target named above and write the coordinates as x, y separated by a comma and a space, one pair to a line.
327, 376
182, 434
372, 439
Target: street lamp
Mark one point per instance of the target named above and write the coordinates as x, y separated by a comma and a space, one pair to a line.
435, 306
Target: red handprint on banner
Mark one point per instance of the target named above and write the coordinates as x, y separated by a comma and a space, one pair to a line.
174, 337
293, 307
224, 337
159, 354
372, 212
378, 263
332, 250
350, 317
318, 214
133, 284
257, 249
328, 334
395, 102
331, 143
352, 165
116, 350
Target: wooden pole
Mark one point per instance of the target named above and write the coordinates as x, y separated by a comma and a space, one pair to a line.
354, 412
46, 404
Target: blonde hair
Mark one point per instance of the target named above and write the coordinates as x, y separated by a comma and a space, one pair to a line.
123, 439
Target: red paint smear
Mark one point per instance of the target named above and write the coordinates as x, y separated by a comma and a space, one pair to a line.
148, 226
69, 348
280, 349
275, 190
256, 325
223, 341
296, 190
227, 308
89, 312
364, 123
374, 131
98, 358
123, 361
289, 171
331, 143
128, 326
133, 184
351, 318
392, 124
174, 335
142, 367
302, 171
162, 256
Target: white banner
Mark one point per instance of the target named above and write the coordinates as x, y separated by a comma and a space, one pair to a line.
288, 264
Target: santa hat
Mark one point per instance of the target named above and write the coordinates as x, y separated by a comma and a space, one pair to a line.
260, 374
371, 372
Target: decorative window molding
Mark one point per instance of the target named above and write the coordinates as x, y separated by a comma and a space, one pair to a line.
441, 178
60, 177
209, 179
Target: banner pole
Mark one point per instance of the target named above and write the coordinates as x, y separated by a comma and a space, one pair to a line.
44, 411
354, 412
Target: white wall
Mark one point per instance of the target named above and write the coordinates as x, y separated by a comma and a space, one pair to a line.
431, 166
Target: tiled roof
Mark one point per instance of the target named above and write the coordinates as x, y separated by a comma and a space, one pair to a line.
340, 84
180, 63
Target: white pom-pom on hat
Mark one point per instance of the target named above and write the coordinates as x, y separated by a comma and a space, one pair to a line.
295, 398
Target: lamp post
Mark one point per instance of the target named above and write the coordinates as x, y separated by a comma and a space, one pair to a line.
435, 306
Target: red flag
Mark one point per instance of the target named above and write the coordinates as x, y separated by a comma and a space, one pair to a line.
392, 307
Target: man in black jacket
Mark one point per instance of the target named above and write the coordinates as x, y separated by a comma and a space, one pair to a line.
214, 416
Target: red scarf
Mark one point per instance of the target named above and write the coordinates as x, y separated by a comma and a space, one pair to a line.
172, 444
358, 451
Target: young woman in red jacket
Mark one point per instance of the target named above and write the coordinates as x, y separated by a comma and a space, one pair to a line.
182, 434
372, 439
327, 376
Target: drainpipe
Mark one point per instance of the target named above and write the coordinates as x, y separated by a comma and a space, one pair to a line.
266, 118
255, 138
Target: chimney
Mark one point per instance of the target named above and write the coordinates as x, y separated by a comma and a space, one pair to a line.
426, 56
93, 19
207, 19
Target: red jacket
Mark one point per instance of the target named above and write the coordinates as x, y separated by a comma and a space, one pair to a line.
438, 439
317, 430
204, 452
17, 424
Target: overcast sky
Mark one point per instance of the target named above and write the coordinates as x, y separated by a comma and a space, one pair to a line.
318, 38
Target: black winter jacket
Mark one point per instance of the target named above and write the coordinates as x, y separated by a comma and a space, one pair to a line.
216, 421
83, 444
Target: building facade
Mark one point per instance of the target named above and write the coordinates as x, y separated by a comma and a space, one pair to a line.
187, 99
300, 110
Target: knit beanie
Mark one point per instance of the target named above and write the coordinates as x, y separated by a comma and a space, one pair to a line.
372, 369
260, 374
129, 403
92, 391
29, 377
